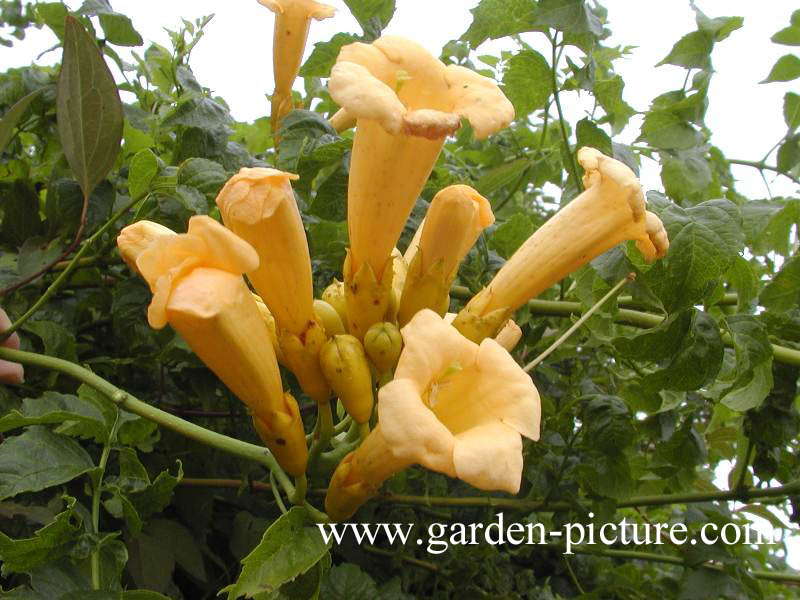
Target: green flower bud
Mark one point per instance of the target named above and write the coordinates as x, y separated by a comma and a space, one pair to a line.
383, 344
345, 366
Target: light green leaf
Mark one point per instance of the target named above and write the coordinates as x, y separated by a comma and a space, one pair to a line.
789, 36
290, 547
143, 168
569, 16
686, 174
609, 96
768, 224
527, 81
783, 292
492, 19
88, 109
786, 68
48, 543
692, 51
38, 459
666, 130
501, 175
12, 116
372, 15
791, 110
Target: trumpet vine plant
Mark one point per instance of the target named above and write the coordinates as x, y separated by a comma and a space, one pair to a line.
415, 293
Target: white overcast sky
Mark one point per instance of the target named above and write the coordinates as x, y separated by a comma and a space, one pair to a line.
234, 60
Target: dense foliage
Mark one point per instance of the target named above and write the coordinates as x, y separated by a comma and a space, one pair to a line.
694, 365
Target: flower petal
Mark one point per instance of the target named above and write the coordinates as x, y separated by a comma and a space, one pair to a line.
224, 249
489, 457
364, 96
412, 431
431, 348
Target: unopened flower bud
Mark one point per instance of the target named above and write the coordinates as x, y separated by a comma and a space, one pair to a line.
329, 318
334, 295
345, 366
383, 344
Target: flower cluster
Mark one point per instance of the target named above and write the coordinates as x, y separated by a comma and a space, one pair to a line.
450, 396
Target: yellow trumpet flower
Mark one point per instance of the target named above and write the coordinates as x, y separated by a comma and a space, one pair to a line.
455, 219
611, 210
454, 406
292, 21
197, 285
259, 206
136, 237
405, 102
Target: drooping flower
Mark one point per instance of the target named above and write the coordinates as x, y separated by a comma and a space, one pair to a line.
454, 406
454, 220
292, 21
198, 288
259, 206
136, 237
610, 211
405, 102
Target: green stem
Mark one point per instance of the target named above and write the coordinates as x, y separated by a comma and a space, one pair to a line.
96, 493
789, 489
73, 264
128, 402
762, 166
276, 493
363, 431
635, 318
673, 560
572, 164
575, 326
300, 488
323, 432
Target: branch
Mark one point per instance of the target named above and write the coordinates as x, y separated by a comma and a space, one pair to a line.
573, 166
793, 578
527, 505
762, 166
635, 318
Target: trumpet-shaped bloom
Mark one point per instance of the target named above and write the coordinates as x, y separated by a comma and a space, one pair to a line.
292, 21
611, 210
136, 237
259, 206
454, 406
405, 102
197, 285
455, 219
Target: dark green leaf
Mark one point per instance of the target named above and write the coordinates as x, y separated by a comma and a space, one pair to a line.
492, 19
511, 235
569, 16
686, 174
348, 582
289, 548
767, 224
607, 475
372, 15
608, 423
666, 130
89, 110
48, 544
38, 459
12, 116
324, 54
58, 340
327, 243
204, 175
53, 15
52, 408
786, 68
527, 81
589, 134
753, 374
783, 292
20, 204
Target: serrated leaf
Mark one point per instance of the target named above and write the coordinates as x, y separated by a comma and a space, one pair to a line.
589, 134
720, 27
88, 109
372, 15
511, 235
704, 242
692, 51
527, 81
783, 292
789, 154
290, 547
787, 68
39, 459
753, 373
686, 174
768, 224
607, 475
569, 16
348, 582
52, 408
609, 96
492, 19
323, 56
666, 130
206, 176
141, 172
48, 543
12, 116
